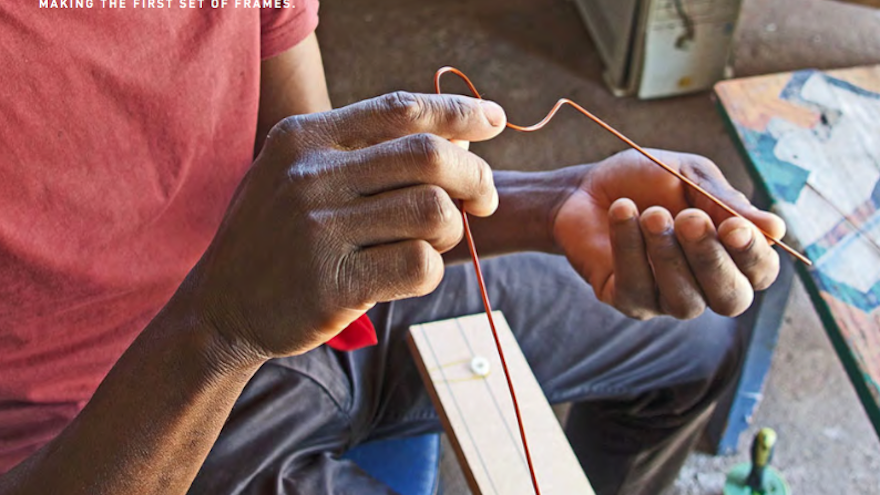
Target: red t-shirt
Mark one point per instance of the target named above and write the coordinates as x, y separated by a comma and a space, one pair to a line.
124, 133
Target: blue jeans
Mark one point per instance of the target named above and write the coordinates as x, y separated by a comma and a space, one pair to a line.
642, 391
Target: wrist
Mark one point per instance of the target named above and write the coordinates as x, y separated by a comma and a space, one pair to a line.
533, 201
222, 353
528, 205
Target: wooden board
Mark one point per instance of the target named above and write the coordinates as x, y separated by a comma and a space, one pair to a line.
868, 3
478, 414
812, 140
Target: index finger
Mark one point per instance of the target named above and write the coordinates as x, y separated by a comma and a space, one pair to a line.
400, 114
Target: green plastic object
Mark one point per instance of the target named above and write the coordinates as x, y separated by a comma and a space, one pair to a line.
757, 477
774, 483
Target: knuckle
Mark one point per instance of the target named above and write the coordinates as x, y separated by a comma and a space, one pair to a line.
630, 307
750, 261
628, 154
635, 157
732, 302
485, 178
684, 310
307, 181
760, 264
460, 109
349, 277
282, 136
315, 223
286, 126
735, 199
450, 239
403, 105
706, 257
740, 197
764, 276
421, 267
699, 161
626, 237
450, 233
704, 172
434, 207
625, 307
669, 259
665, 251
430, 152
697, 164
637, 314
690, 312
628, 244
765, 280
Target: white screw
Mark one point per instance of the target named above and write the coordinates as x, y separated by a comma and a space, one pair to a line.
480, 366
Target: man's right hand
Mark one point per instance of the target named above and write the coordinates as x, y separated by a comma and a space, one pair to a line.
340, 211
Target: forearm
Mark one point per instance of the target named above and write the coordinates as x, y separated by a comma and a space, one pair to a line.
152, 421
528, 203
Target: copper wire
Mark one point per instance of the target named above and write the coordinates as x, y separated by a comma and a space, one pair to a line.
630, 143
485, 295
476, 261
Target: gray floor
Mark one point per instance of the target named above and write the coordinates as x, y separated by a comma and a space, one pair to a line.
526, 54
826, 443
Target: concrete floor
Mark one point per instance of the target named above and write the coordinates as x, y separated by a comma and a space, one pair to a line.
525, 54
826, 443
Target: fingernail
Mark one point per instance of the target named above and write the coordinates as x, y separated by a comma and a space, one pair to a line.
693, 229
622, 213
740, 238
657, 223
494, 113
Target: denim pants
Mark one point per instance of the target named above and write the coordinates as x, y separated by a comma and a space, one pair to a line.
642, 391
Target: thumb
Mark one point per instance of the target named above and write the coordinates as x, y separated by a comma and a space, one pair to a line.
766, 221
705, 174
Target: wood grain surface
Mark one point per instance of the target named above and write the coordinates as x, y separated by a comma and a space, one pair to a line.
478, 414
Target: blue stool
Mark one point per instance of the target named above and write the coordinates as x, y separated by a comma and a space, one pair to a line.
409, 466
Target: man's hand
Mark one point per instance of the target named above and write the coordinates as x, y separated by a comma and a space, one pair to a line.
650, 245
342, 210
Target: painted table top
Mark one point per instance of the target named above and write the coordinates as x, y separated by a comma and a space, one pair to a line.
812, 140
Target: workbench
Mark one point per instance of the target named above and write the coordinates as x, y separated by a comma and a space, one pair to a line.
812, 142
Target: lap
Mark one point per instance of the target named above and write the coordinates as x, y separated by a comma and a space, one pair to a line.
579, 348
299, 413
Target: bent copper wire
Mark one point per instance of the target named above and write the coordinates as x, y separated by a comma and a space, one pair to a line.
630, 143
476, 261
484, 294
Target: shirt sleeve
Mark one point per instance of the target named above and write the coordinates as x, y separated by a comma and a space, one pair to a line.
283, 28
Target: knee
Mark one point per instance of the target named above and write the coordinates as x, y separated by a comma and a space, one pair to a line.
714, 363
720, 352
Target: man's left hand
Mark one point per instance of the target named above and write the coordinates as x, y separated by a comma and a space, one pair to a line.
650, 245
